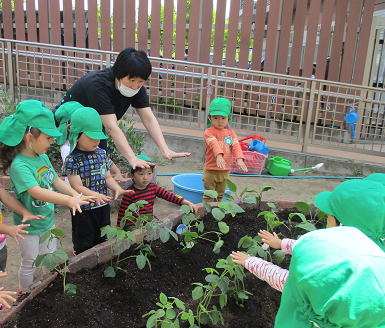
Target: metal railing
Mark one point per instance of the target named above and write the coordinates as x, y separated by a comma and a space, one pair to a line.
303, 111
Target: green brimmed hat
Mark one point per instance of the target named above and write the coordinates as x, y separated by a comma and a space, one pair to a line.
377, 177
220, 106
63, 115
29, 113
336, 280
86, 121
357, 203
142, 157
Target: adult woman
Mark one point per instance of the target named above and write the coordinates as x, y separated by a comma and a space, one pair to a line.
111, 91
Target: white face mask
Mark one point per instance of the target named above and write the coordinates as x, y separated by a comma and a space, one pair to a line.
126, 91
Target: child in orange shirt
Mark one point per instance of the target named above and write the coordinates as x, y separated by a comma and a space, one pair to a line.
221, 142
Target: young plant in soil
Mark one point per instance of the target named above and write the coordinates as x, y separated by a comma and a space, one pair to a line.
50, 260
314, 213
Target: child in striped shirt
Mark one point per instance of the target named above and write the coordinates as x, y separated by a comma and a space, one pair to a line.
145, 188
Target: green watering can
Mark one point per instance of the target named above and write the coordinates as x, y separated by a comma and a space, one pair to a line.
282, 167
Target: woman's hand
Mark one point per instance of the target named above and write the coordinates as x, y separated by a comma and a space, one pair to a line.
137, 162
239, 257
170, 154
271, 239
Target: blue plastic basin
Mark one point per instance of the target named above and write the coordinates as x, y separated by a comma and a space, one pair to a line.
190, 186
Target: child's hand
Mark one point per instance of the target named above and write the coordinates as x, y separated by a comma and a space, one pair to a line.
271, 239
121, 191
76, 201
6, 295
192, 206
15, 231
101, 199
241, 164
3, 274
120, 178
28, 216
239, 257
221, 162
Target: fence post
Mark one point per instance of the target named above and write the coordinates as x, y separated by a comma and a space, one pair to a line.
10, 69
208, 98
309, 117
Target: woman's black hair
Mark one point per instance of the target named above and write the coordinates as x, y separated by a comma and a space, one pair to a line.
132, 63
7, 153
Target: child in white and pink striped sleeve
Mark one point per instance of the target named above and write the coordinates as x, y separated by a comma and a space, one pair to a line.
274, 275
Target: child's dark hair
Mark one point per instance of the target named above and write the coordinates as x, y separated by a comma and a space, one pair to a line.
7, 153
138, 169
133, 63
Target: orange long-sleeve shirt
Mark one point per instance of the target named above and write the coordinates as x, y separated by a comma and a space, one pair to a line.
215, 144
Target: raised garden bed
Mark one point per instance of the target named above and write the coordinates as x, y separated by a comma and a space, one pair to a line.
121, 301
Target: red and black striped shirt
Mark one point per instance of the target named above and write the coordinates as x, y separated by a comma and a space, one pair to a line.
149, 194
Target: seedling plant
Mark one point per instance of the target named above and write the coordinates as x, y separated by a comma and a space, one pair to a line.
50, 260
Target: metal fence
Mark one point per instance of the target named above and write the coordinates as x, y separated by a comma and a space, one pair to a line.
302, 111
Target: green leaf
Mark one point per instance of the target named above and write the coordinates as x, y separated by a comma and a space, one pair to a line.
205, 318
223, 227
225, 206
260, 251
250, 199
60, 254
121, 234
211, 193
239, 272
218, 246
245, 242
58, 232
179, 304
231, 185
141, 261
302, 206
197, 293
151, 321
170, 314
307, 226
266, 188
218, 214
109, 272
184, 316
211, 277
141, 202
111, 232
188, 218
242, 295
45, 236
39, 259
271, 205
207, 206
215, 318
131, 236
164, 236
201, 226
185, 209
222, 300
50, 261
321, 215
70, 289
163, 298
228, 197
234, 208
279, 256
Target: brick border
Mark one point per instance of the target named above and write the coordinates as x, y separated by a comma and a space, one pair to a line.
102, 253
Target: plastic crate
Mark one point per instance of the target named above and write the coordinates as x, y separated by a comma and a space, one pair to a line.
255, 162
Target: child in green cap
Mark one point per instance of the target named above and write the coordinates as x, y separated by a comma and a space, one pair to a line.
221, 145
145, 188
88, 170
63, 117
355, 203
25, 137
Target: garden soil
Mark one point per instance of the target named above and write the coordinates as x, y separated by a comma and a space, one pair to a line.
290, 189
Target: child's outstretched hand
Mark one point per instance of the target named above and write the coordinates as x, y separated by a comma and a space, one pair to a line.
241, 164
271, 239
239, 257
192, 206
121, 191
101, 199
6, 296
221, 163
120, 178
76, 201
15, 231
28, 216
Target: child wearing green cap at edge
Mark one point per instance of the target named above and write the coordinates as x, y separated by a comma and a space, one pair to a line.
25, 137
221, 143
355, 203
63, 117
88, 170
145, 188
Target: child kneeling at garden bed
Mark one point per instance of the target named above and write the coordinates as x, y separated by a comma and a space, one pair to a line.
144, 187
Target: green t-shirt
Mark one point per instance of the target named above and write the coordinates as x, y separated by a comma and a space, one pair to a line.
27, 172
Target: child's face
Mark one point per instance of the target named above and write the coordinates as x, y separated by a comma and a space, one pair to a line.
219, 121
142, 178
85, 143
41, 143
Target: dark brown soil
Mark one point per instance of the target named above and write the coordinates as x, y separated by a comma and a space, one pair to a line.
121, 301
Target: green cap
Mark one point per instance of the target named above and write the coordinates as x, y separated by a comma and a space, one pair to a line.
357, 203
377, 177
220, 106
336, 280
29, 113
142, 157
63, 115
86, 121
